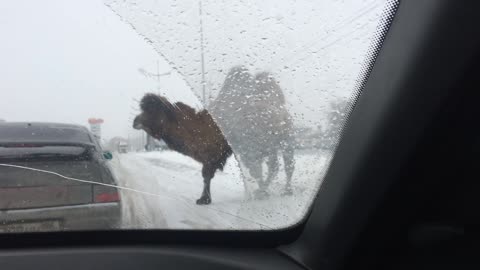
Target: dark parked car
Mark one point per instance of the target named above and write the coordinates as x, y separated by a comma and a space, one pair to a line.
40, 197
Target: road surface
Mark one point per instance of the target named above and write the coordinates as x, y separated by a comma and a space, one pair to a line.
174, 182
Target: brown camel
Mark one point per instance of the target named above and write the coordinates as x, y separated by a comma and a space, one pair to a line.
186, 131
252, 112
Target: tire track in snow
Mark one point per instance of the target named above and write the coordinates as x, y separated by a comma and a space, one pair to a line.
178, 203
179, 182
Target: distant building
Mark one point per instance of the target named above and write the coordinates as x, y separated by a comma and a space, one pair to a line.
96, 127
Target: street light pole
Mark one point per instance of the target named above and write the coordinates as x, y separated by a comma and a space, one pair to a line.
158, 77
148, 138
202, 54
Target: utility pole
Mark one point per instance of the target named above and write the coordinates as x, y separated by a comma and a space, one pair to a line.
154, 75
158, 76
149, 140
202, 54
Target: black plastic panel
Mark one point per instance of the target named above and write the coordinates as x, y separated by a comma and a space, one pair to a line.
145, 258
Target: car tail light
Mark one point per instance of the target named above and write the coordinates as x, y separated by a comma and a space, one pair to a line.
107, 197
103, 194
23, 145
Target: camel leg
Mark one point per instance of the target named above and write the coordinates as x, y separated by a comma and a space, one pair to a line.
207, 172
246, 177
289, 161
273, 167
256, 171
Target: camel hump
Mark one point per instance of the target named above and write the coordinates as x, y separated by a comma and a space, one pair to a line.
184, 108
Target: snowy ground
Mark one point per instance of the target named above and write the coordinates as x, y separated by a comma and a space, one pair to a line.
176, 182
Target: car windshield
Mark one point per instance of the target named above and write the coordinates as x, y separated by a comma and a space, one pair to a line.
191, 114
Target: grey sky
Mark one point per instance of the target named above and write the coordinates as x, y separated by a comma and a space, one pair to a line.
66, 61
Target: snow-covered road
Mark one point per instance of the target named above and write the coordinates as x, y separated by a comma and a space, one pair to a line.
176, 182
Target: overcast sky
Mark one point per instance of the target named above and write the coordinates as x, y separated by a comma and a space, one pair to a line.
67, 61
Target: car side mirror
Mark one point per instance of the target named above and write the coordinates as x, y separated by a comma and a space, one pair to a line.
107, 155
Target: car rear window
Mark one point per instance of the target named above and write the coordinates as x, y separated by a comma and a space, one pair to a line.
46, 133
30, 151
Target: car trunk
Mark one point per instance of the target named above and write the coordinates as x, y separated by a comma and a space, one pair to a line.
26, 189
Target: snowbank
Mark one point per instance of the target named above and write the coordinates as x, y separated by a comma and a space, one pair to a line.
176, 181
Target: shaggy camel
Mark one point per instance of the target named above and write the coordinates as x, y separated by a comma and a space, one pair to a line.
184, 130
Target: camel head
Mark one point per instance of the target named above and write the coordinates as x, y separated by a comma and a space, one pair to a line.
156, 113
